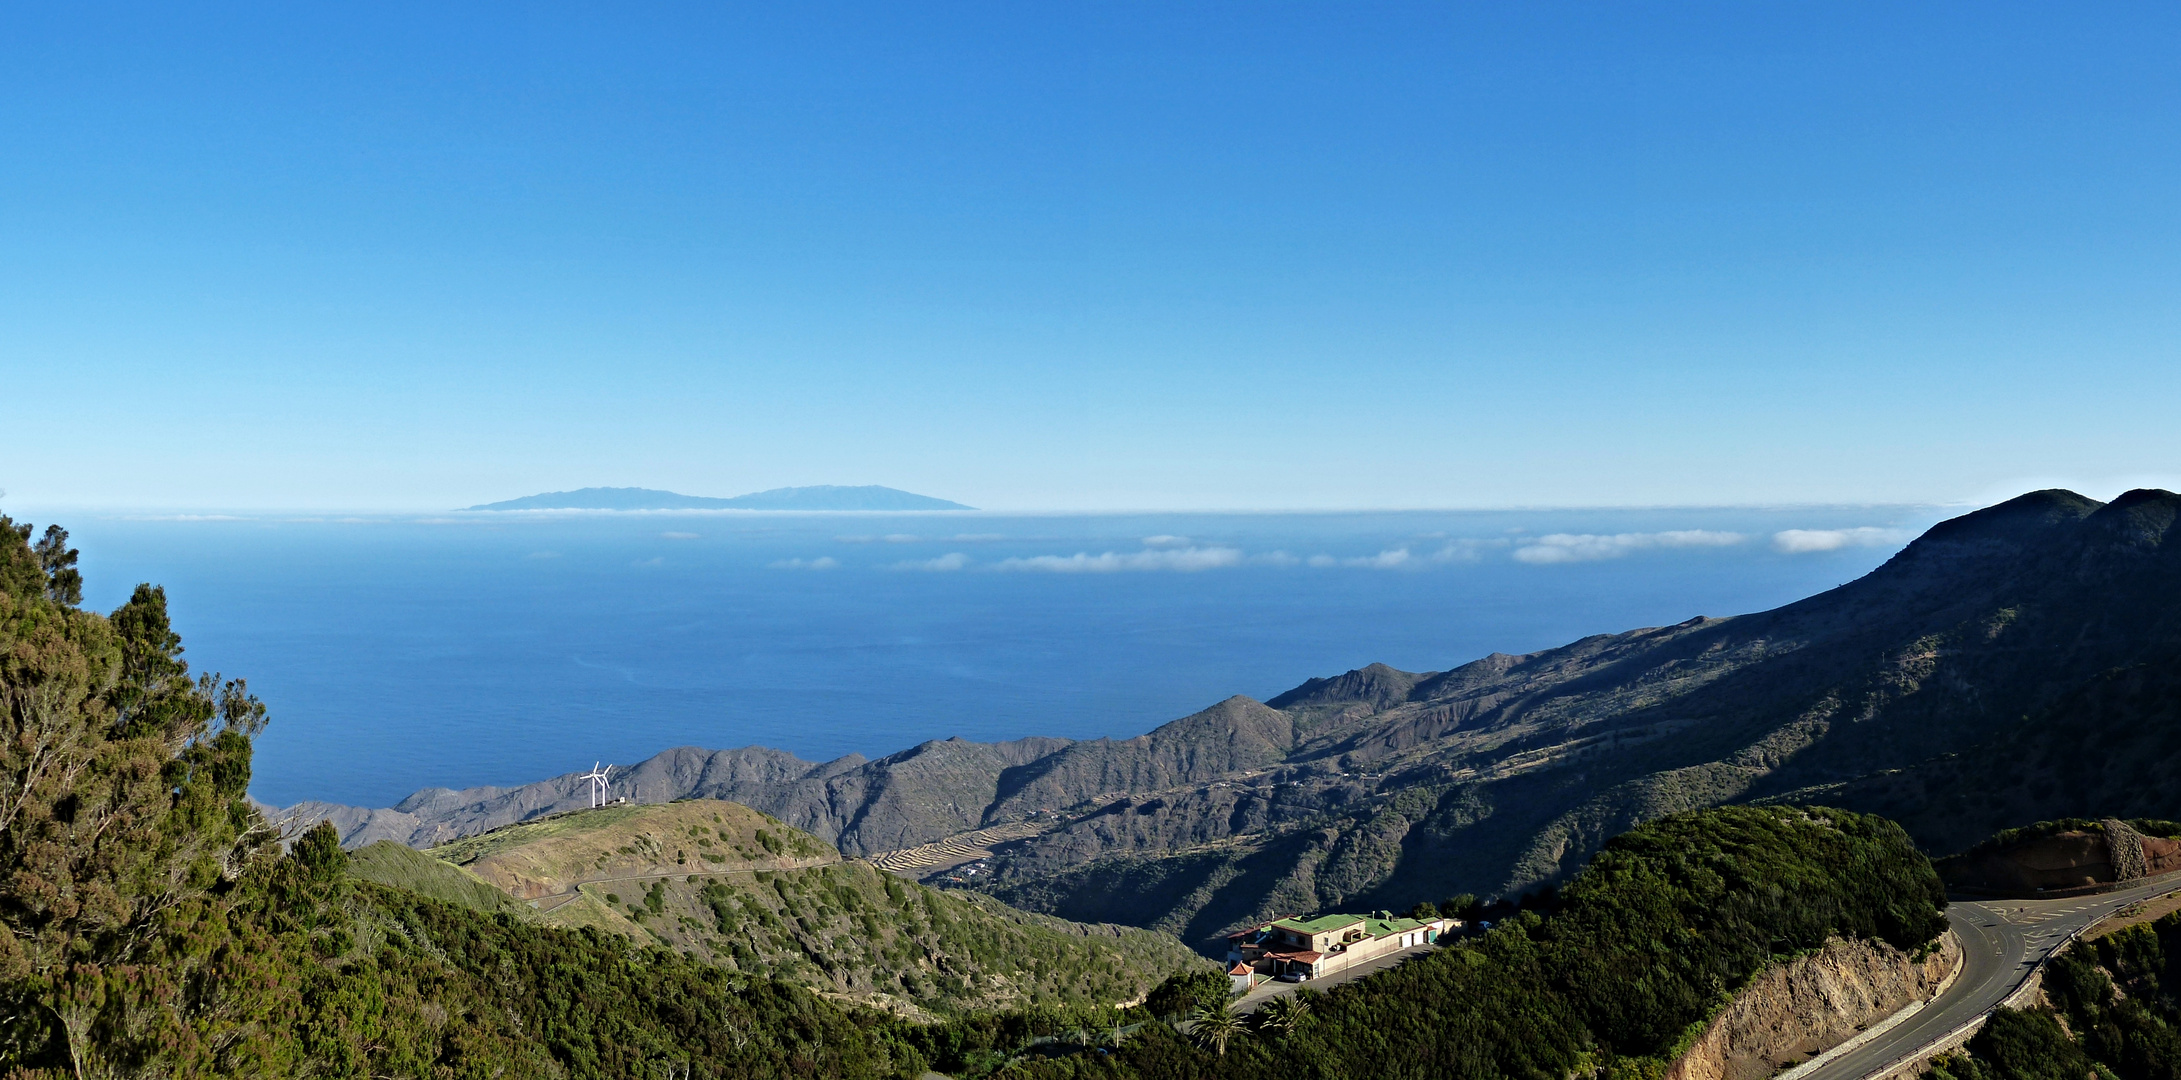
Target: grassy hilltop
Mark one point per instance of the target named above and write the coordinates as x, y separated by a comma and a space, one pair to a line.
734, 887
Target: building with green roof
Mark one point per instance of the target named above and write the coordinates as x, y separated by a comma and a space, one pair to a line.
1312, 948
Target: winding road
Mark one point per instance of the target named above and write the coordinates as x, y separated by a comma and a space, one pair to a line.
2002, 942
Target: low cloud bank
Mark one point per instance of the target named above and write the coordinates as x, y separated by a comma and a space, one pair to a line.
953, 560
1384, 560
1183, 559
1592, 547
823, 562
1805, 541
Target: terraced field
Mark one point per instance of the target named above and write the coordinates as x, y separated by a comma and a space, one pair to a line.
953, 850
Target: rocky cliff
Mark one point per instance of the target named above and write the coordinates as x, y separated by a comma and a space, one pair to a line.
1797, 1010
2062, 854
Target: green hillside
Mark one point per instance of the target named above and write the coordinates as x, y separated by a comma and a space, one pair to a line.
408, 869
734, 887
1610, 979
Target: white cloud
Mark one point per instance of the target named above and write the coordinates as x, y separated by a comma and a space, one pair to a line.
1384, 560
1465, 550
655, 560
1275, 558
1804, 541
1591, 547
1187, 559
679, 535
953, 560
900, 538
823, 562
1389, 559
1163, 540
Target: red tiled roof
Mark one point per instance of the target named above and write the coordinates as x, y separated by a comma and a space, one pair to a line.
1241, 969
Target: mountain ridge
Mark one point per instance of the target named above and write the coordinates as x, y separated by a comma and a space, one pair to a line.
1378, 787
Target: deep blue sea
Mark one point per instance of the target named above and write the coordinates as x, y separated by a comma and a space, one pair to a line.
401, 652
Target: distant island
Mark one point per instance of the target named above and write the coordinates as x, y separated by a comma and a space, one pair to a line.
818, 497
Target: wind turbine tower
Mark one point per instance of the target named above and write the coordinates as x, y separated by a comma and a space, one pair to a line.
597, 777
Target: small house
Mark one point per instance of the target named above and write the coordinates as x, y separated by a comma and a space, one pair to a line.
1313, 948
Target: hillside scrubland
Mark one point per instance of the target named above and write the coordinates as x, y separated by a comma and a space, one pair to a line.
739, 889
2013, 664
1614, 977
157, 928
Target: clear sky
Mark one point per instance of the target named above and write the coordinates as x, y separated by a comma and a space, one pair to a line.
1088, 255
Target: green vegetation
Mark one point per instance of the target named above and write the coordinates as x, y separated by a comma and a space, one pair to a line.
123, 782
2018, 1045
154, 928
401, 867
751, 903
1639, 951
2121, 1004
850, 929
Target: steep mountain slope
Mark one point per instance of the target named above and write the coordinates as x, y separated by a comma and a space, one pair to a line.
1509, 771
2113, 746
1379, 787
727, 884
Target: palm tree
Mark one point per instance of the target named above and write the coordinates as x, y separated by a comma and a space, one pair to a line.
1213, 1025
1280, 1015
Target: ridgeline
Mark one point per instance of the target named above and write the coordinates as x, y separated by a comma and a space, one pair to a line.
2013, 664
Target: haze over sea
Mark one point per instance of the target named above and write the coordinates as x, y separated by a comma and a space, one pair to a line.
402, 652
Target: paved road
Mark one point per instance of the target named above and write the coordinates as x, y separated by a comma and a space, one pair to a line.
2002, 940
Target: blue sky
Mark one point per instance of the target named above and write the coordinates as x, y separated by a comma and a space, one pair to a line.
404, 256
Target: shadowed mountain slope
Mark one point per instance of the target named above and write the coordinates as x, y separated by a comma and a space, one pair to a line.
2112, 747
1379, 788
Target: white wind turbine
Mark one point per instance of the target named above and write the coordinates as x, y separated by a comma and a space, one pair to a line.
597, 777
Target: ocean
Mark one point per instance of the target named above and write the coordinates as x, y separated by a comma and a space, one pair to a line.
399, 652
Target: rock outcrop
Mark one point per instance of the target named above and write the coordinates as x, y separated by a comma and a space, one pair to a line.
2055, 856
1799, 1009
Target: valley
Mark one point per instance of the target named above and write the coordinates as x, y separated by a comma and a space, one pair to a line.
1903, 692
1643, 812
